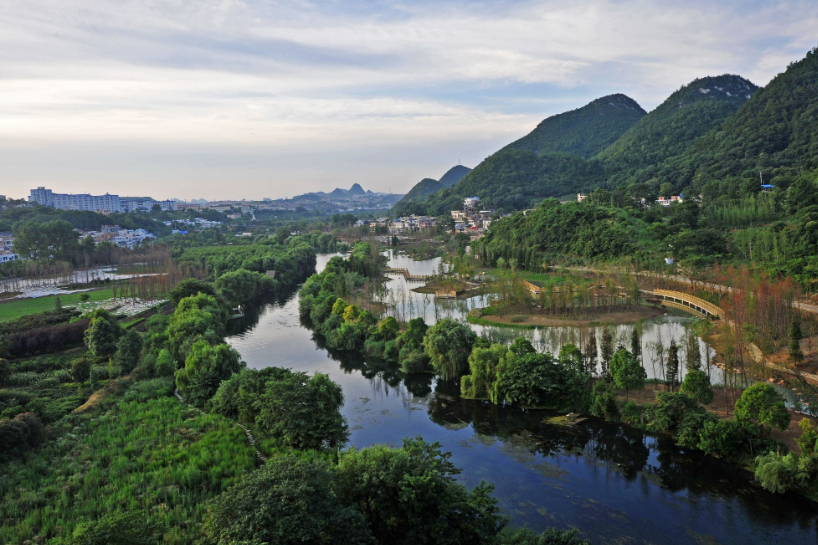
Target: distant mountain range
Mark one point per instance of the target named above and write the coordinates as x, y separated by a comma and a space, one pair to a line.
708, 137
340, 194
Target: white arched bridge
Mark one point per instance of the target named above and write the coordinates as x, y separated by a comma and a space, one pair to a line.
687, 302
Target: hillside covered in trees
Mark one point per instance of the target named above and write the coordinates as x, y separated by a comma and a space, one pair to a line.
585, 131
712, 137
430, 186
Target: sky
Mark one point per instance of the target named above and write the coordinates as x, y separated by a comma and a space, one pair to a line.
232, 99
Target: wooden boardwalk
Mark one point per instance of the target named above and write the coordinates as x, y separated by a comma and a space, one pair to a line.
406, 274
442, 294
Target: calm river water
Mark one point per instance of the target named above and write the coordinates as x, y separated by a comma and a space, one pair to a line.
616, 484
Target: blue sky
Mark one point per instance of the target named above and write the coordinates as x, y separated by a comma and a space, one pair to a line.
252, 99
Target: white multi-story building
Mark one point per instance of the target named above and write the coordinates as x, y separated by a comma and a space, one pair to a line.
7, 247
83, 201
667, 201
134, 204
470, 204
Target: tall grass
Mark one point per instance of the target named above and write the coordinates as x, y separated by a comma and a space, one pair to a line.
148, 451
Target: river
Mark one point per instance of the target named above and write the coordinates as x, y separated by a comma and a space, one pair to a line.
616, 484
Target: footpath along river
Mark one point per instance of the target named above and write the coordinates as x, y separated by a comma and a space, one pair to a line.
614, 483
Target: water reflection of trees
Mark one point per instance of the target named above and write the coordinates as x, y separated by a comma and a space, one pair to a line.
382, 375
625, 449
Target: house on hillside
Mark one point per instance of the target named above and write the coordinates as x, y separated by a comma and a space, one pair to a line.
667, 201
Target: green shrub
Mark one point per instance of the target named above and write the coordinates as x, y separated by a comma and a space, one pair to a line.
165, 364
688, 433
20, 434
603, 402
761, 407
780, 474
723, 439
667, 413
414, 361
632, 414
697, 385
809, 436
80, 369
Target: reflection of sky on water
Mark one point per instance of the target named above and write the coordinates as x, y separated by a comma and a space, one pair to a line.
617, 484
405, 304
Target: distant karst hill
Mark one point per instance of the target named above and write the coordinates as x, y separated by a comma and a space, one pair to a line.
356, 190
338, 193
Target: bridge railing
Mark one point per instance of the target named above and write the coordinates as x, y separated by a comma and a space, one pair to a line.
691, 300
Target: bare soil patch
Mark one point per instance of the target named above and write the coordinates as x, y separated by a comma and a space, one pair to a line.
544, 320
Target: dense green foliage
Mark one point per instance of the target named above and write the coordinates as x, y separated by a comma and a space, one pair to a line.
296, 410
78, 219
409, 495
449, 344
138, 449
132, 528
675, 124
556, 231
515, 179
288, 501
583, 132
103, 334
292, 259
761, 407
429, 186
773, 132
205, 368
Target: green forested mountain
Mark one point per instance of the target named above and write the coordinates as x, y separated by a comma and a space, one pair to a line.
671, 128
426, 186
710, 137
454, 175
585, 131
775, 132
516, 179
429, 186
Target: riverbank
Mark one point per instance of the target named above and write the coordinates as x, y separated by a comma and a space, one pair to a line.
531, 320
722, 406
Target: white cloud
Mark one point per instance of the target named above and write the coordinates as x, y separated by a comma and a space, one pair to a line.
368, 80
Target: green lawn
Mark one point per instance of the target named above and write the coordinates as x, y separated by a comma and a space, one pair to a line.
16, 308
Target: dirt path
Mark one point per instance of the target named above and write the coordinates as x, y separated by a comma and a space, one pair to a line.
542, 320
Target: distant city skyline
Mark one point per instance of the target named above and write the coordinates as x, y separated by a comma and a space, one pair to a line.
231, 99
